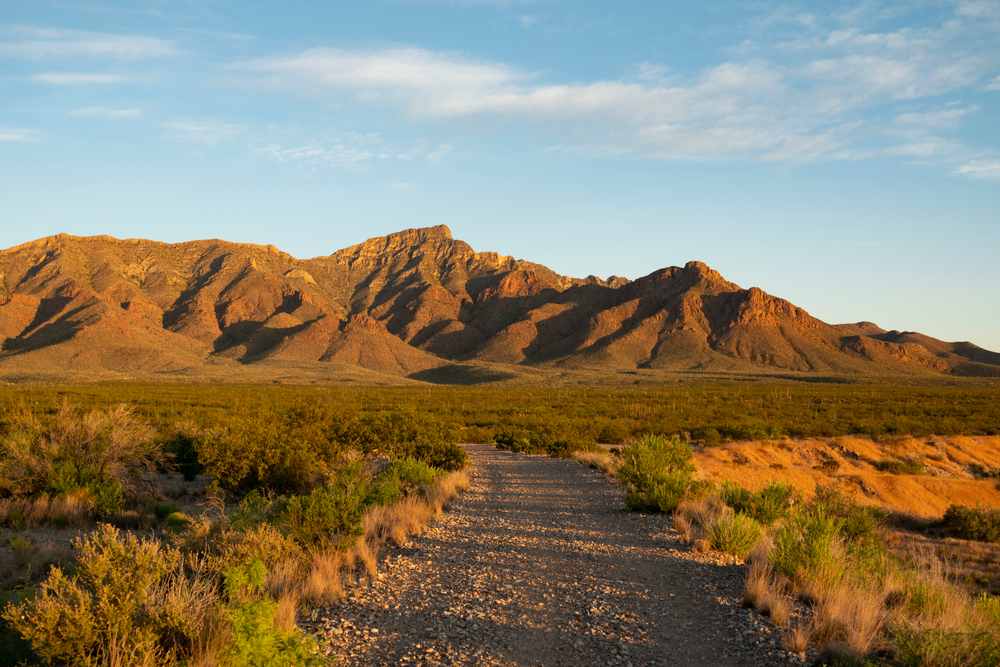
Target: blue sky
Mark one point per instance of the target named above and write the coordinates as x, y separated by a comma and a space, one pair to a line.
843, 156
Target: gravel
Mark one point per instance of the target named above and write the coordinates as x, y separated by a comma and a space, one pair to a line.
539, 564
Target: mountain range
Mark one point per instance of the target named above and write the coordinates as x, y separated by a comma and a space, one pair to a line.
418, 305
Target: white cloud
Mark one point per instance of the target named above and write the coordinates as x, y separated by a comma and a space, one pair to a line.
18, 134
36, 43
73, 79
748, 109
438, 155
994, 84
948, 117
105, 112
337, 155
824, 96
981, 169
204, 132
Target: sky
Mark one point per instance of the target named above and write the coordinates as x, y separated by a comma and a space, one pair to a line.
844, 156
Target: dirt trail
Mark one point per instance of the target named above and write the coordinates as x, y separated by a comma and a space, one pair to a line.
538, 564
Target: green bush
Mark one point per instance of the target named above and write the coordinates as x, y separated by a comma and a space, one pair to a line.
257, 509
107, 497
255, 639
259, 451
658, 473
768, 505
733, 533
859, 526
329, 516
805, 543
177, 521
901, 467
709, 437
164, 510
973, 523
77, 619
402, 432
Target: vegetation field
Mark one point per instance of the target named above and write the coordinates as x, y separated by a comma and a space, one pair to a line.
712, 413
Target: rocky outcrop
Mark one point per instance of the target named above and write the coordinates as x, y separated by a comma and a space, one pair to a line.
408, 303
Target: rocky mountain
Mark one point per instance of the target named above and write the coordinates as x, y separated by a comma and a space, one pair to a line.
411, 304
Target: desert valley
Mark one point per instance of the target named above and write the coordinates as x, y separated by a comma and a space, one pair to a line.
269, 443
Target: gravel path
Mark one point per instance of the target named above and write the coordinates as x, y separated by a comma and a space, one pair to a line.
539, 564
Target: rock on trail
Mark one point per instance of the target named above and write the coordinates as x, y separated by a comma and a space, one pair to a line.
539, 564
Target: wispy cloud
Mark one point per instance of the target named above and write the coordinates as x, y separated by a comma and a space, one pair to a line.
75, 79
204, 132
351, 151
105, 112
19, 134
994, 84
36, 43
981, 169
821, 97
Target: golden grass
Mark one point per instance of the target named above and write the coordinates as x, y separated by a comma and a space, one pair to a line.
72, 511
950, 461
598, 460
326, 572
767, 591
797, 637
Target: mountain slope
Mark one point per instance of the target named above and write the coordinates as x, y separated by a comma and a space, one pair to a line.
407, 304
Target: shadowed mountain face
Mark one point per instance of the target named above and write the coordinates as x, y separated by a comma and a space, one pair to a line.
407, 304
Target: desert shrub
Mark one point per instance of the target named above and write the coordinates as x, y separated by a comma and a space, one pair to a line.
767, 505
257, 508
330, 516
565, 449
805, 544
401, 478
214, 546
255, 637
259, 450
658, 473
164, 510
73, 450
709, 436
108, 497
80, 619
521, 441
973, 523
901, 467
402, 432
733, 533
177, 521
180, 445
858, 525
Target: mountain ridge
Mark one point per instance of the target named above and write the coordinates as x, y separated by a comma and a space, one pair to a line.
409, 304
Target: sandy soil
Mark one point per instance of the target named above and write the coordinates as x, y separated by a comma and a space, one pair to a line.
539, 564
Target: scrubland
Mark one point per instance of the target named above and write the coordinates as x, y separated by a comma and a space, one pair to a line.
846, 545
236, 509
270, 515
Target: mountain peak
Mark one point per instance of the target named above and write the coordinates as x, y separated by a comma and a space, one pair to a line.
407, 302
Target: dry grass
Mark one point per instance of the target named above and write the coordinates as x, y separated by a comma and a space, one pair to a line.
849, 615
683, 527
598, 460
973, 565
797, 636
327, 572
323, 584
72, 511
768, 592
